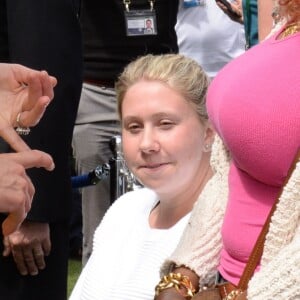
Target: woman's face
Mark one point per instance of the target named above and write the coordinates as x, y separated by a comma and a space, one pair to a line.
162, 137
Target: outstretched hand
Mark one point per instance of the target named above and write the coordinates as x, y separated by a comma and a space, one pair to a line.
16, 188
25, 91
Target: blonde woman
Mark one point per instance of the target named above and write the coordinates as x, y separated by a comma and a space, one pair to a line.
167, 141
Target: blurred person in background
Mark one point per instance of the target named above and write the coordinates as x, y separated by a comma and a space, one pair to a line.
207, 35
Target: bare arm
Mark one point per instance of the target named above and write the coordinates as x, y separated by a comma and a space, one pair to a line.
265, 20
172, 293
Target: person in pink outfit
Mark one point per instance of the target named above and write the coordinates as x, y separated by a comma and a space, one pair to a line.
254, 105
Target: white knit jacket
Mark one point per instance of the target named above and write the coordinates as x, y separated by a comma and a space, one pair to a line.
200, 245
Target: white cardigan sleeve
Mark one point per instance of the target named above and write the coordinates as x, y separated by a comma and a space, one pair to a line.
279, 277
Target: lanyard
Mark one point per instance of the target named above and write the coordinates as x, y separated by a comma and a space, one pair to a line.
248, 27
128, 2
140, 22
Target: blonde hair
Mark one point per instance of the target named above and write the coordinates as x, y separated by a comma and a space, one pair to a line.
177, 71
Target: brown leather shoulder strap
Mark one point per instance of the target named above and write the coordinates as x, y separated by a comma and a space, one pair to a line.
259, 245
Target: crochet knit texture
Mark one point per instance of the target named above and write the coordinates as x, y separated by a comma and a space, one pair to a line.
200, 245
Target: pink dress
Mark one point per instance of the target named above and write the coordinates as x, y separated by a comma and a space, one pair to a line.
254, 104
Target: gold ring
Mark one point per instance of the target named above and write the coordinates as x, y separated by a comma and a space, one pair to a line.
21, 130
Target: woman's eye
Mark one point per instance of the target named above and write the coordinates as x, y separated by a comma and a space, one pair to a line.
166, 124
133, 128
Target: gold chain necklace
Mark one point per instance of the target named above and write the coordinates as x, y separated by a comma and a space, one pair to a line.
290, 29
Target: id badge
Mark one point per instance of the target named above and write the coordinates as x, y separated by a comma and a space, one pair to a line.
193, 3
140, 22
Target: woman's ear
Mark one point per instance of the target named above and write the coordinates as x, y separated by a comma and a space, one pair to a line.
209, 136
209, 133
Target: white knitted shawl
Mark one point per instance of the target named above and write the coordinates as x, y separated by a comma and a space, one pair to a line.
200, 245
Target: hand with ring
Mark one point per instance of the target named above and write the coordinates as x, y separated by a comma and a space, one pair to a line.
24, 96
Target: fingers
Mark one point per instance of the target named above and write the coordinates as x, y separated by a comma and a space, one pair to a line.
39, 258
17, 188
46, 246
31, 259
30, 193
39, 84
30, 118
18, 192
32, 158
34, 90
23, 74
27, 94
48, 83
53, 81
27, 246
14, 140
37, 93
6, 247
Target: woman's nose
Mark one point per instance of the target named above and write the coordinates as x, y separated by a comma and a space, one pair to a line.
149, 142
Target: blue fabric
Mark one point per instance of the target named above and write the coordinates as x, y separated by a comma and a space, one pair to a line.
192, 3
250, 22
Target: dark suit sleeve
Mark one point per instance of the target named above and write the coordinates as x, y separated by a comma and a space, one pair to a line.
45, 34
4, 57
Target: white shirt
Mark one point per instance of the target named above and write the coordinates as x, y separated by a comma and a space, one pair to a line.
127, 253
207, 35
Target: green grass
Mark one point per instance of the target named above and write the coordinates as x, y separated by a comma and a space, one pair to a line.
74, 271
